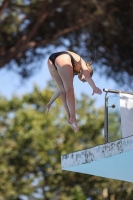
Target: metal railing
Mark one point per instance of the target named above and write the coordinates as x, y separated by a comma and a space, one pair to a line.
106, 109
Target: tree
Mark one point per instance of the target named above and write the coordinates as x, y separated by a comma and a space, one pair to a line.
29, 28
32, 143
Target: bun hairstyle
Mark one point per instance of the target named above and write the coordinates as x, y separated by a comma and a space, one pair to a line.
88, 64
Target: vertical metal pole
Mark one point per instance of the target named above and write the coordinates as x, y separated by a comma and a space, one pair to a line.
106, 119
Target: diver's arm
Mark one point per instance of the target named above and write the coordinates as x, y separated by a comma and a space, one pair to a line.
88, 78
53, 98
91, 83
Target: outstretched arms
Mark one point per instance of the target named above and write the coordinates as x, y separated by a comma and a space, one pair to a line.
87, 76
53, 98
91, 83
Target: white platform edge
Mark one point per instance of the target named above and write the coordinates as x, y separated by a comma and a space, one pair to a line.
96, 153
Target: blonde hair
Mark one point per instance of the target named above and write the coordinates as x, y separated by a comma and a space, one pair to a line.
88, 64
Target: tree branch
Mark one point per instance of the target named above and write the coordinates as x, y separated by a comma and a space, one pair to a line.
79, 24
4, 6
20, 45
24, 43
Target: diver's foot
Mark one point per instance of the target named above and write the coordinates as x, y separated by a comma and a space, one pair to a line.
73, 125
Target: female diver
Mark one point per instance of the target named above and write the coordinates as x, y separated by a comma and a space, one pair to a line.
62, 67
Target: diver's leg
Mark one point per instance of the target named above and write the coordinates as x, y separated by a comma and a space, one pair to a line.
57, 79
66, 74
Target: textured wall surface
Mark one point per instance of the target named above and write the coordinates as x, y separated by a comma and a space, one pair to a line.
96, 153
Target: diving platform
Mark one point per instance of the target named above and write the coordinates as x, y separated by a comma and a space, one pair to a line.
113, 160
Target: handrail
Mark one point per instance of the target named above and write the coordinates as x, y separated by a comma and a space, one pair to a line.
116, 91
106, 110
106, 118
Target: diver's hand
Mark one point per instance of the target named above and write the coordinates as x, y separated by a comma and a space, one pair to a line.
47, 107
97, 91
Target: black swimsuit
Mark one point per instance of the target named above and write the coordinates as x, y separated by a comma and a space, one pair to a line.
55, 55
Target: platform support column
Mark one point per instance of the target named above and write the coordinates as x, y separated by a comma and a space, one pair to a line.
106, 119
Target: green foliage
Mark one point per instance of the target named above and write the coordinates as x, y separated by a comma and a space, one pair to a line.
31, 145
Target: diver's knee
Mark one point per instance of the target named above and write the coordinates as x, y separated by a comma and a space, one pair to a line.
68, 90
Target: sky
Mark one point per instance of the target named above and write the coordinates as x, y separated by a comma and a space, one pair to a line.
10, 84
